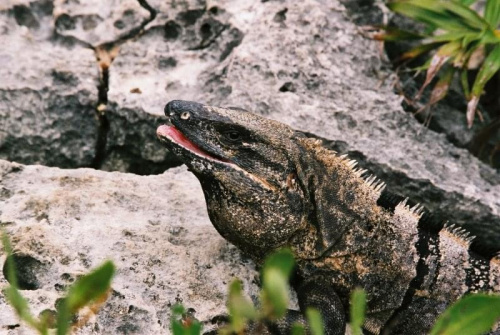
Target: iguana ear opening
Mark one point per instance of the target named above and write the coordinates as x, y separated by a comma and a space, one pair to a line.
326, 224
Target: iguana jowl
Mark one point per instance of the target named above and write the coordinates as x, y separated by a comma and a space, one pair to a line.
268, 186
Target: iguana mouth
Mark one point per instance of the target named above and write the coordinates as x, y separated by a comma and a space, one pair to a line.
173, 135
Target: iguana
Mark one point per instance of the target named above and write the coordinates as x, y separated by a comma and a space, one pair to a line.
268, 186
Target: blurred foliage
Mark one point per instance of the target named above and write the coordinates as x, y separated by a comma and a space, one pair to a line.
89, 291
243, 314
461, 39
473, 314
358, 310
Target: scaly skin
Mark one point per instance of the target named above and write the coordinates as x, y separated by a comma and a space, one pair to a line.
268, 186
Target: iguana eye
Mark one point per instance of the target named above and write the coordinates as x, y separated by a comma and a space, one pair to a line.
232, 136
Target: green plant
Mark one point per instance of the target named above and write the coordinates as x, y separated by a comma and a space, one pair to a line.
182, 324
90, 290
462, 40
473, 314
358, 309
274, 301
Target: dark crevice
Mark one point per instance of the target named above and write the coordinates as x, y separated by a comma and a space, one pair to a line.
102, 119
208, 42
105, 54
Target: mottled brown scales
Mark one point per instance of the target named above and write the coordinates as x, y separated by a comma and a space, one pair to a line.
268, 186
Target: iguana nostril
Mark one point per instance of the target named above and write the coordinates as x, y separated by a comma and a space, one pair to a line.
185, 115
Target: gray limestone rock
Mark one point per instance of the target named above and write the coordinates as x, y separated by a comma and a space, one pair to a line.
98, 22
48, 91
155, 229
164, 63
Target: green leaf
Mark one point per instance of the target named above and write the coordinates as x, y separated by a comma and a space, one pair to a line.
194, 328
178, 310
275, 274
275, 296
281, 260
177, 328
492, 13
469, 16
464, 80
473, 314
298, 329
11, 293
419, 50
395, 34
315, 321
86, 289
358, 309
241, 310
181, 325
466, 2
90, 286
11, 267
490, 66
20, 305
63, 317
436, 14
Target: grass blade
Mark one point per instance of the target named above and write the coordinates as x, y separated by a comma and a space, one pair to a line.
466, 2
358, 308
275, 274
473, 314
396, 34
433, 13
492, 13
469, 16
315, 321
90, 286
464, 80
11, 293
419, 50
438, 60
240, 308
490, 66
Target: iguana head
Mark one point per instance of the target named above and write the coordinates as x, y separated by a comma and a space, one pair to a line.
246, 166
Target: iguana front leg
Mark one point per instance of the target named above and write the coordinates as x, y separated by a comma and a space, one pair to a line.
316, 293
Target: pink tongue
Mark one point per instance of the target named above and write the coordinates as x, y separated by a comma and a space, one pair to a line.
176, 136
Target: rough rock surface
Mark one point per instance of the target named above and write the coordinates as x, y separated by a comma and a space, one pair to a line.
156, 230
98, 22
164, 63
48, 91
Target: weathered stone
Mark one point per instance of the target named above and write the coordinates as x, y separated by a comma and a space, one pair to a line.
97, 22
163, 64
48, 91
156, 230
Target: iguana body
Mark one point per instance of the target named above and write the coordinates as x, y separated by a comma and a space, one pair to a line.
268, 186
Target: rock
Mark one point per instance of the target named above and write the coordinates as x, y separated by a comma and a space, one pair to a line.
48, 91
156, 230
163, 64
98, 22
